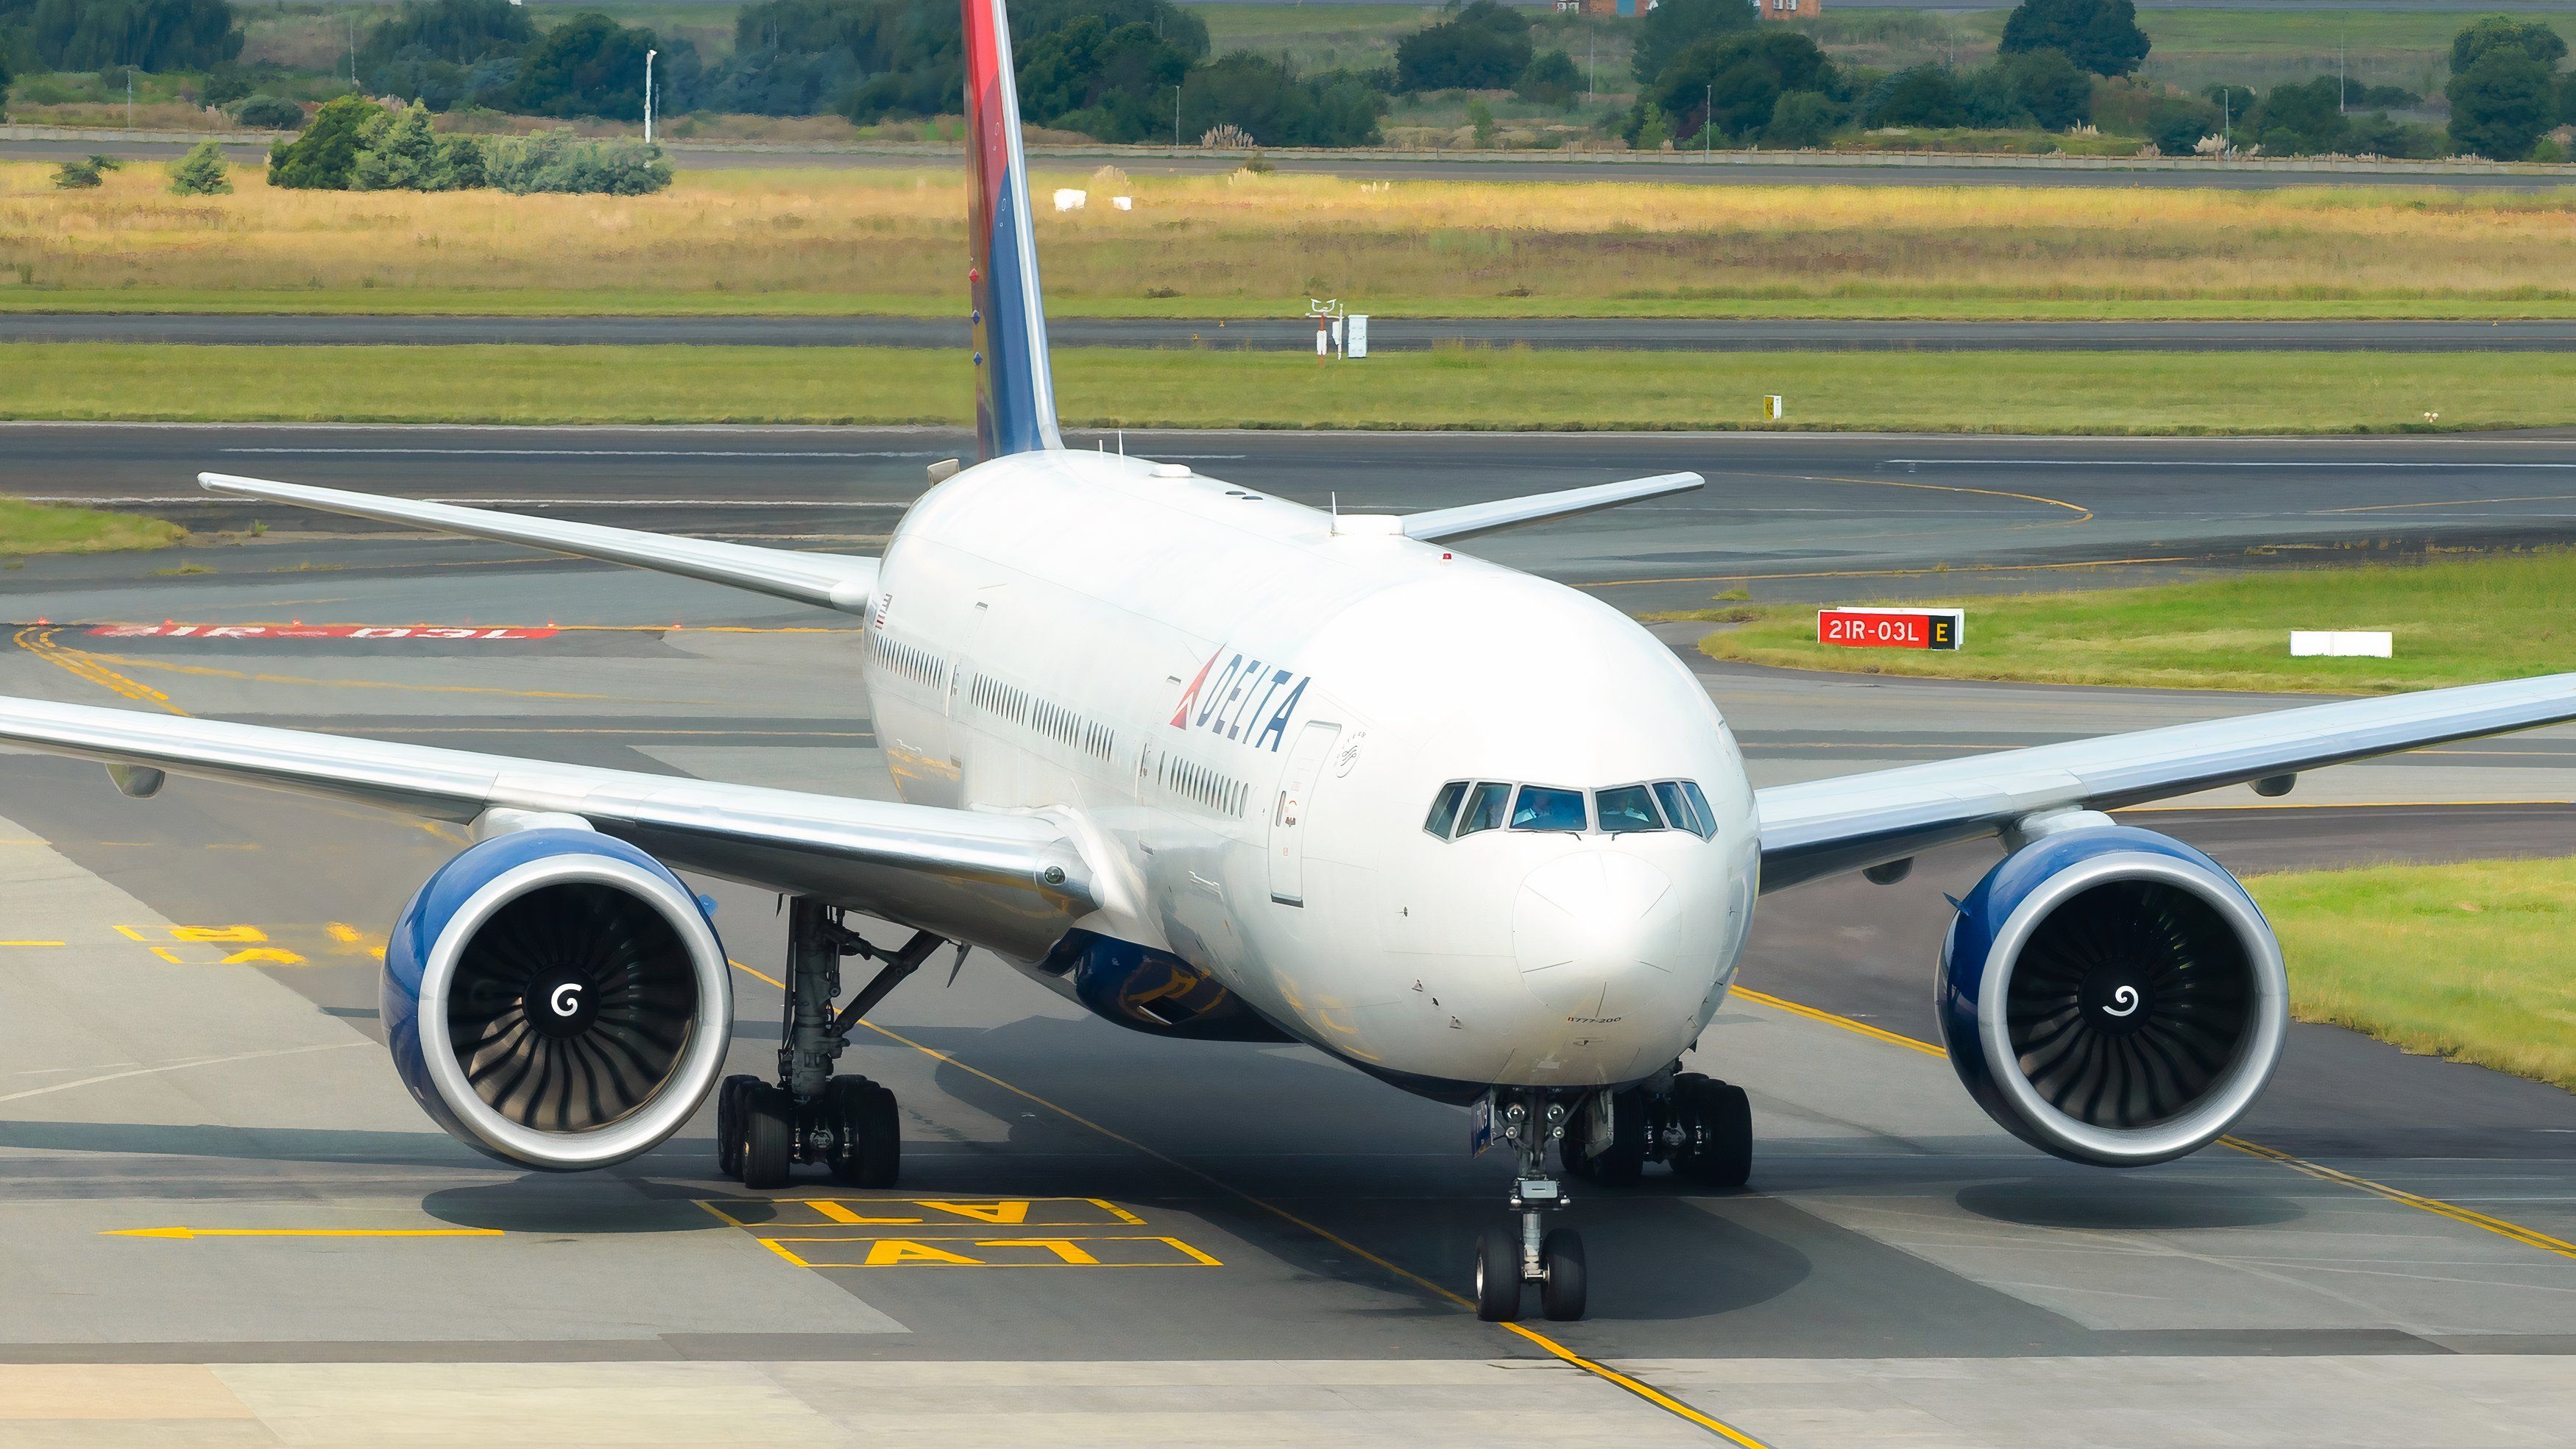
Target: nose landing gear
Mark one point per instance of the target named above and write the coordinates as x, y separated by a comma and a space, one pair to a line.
1508, 1262
845, 1123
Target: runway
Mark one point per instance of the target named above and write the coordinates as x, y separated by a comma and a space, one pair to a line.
1898, 1266
1809, 516
1386, 334
1741, 169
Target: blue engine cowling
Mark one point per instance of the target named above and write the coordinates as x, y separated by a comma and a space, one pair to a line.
2112, 996
557, 999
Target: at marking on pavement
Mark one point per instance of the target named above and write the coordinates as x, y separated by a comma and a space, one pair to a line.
1048, 1252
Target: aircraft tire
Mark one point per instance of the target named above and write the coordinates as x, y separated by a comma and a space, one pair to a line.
1561, 1296
1721, 1119
729, 1097
867, 1136
1498, 1277
768, 1122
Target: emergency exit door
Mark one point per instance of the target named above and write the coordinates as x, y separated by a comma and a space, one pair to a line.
1289, 811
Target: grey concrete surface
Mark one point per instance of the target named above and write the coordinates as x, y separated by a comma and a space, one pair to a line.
1900, 1271
1386, 334
1806, 516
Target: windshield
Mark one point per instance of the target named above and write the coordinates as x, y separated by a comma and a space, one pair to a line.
1543, 808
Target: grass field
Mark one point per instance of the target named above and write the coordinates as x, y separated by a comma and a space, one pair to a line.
39, 528
2457, 621
2061, 392
840, 241
2466, 961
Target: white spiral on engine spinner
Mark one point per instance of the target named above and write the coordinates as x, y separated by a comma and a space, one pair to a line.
573, 990
2127, 996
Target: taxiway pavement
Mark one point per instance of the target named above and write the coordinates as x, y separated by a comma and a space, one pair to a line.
199, 1052
1386, 334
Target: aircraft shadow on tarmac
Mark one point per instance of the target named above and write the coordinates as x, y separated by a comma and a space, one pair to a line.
2125, 1206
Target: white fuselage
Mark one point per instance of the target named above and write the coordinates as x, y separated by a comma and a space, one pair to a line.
1245, 717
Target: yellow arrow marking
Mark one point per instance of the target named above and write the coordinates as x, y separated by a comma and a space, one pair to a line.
889, 1251
263, 955
1006, 1213
301, 1233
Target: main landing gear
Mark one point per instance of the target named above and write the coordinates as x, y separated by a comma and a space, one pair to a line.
1702, 1128
847, 1124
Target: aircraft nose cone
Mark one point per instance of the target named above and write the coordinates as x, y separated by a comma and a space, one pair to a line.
1587, 930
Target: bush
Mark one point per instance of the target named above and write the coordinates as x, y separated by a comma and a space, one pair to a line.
1550, 79
2178, 127
2377, 135
201, 172
2101, 36
322, 158
1801, 118
1275, 107
401, 153
554, 161
1485, 48
1923, 95
269, 113
2303, 119
2057, 94
75, 175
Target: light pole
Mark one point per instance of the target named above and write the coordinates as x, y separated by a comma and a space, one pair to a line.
648, 95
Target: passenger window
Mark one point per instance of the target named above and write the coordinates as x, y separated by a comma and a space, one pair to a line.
1485, 808
1444, 809
1543, 808
1627, 808
1699, 802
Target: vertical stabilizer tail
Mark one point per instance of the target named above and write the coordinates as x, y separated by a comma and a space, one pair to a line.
1014, 389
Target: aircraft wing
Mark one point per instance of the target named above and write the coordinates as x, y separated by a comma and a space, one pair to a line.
1851, 822
831, 580
1471, 519
1013, 883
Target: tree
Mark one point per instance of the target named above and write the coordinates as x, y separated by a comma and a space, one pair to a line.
1551, 79
2101, 36
1801, 118
322, 158
2501, 104
1116, 85
1736, 81
1677, 25
588, 66
1486, 47
1923, 95
2057, 94
201, 172
446, 53
2499, 32
1275, 107
153, 35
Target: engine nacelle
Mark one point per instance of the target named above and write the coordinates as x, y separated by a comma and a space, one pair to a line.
2112, 996
557, 999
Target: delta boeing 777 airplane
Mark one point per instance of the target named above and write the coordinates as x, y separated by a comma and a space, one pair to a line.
1219, 766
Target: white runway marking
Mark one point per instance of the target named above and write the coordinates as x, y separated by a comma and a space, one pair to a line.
180, 1065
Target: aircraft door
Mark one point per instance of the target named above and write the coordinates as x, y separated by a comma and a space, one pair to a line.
1305, 770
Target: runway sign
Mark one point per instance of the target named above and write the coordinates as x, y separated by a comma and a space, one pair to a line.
309, 631
2342, 644
1892, 628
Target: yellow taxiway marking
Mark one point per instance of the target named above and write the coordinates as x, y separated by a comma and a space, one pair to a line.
2528, 1237
40, 642
1139, 1251
30, 943
1604, 1372
827, 1212
301, 1233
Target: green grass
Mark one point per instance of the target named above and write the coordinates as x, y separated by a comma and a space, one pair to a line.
2064, 392
617, 302
2457, 621
2468, 962
44, 528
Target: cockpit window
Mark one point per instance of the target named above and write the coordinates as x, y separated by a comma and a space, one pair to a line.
1699, 802
1627, 808
1444, 808
1681, 808
1543, 807
1485, 808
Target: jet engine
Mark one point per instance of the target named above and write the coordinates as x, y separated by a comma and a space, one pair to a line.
2112, 996
557, 999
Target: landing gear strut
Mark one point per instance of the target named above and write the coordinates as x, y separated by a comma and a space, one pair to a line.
1527, 1120
845, 1123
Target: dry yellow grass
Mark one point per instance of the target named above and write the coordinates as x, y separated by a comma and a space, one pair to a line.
858, 239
